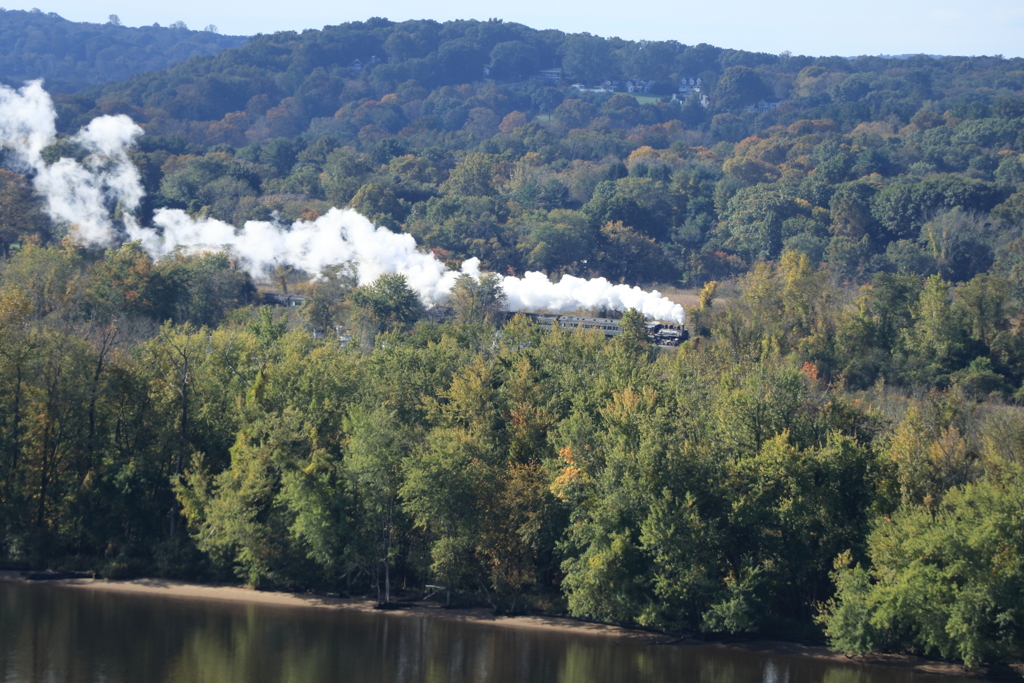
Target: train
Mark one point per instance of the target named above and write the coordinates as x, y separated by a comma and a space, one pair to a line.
276, 299
662, 334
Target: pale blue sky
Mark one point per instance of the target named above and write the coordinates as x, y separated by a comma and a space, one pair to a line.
813, 27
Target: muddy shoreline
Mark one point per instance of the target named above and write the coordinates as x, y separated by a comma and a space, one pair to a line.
190, 591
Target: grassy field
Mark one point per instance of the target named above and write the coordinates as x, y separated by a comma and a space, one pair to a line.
647, 99
690, 297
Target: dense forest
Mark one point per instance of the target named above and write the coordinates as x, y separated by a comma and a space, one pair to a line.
72, 55
899, 165
837, 452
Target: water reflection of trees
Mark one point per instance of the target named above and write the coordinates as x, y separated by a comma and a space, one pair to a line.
52, 634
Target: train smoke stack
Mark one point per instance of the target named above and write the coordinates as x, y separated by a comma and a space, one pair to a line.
84, 194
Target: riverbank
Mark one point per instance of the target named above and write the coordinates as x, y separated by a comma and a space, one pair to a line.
189, 591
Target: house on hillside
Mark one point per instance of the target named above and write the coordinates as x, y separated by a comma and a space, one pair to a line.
579, 87
552, 75
763, 106
703, 99
358, 65
639, 86
688, 85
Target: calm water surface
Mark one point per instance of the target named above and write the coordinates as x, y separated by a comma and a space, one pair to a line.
55, 634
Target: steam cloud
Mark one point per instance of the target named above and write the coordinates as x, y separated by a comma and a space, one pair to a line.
83, 194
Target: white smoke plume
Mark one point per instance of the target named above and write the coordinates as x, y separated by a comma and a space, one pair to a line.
76, 193
82, 195
534, 292
338, 236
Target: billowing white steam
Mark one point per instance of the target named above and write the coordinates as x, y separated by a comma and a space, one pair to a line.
75, 193
83, 194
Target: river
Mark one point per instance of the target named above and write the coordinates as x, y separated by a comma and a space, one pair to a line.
51, 634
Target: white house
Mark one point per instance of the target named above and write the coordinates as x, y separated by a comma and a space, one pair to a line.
579, 87
639, 85
688, 85
704, 101
553, 75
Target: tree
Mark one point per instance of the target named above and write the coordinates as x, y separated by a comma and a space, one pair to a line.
21, 217
565, 241
17, 348
634, 328
610, 469
326, 296
200, 288
865, 341
944, 579
985, 297
904, 207
343, 176
512, 121
473, 176
949, 237
574, 113
178, 353
850, 211
387, 304
47, 276
649, 59
728, 127
377, 449
460, 61
53, 447
514, 60
756, 219
379, 204
449, 484
483, 122
478, 301
239, 519
739, 85
707, 294
629, 256
929, 448
937, 343
124, 282
750, 171
587, 58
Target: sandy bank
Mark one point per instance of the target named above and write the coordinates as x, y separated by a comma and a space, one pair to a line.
191, 591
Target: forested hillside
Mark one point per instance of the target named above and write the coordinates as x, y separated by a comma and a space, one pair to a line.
837, 452
850, 168
71, 55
